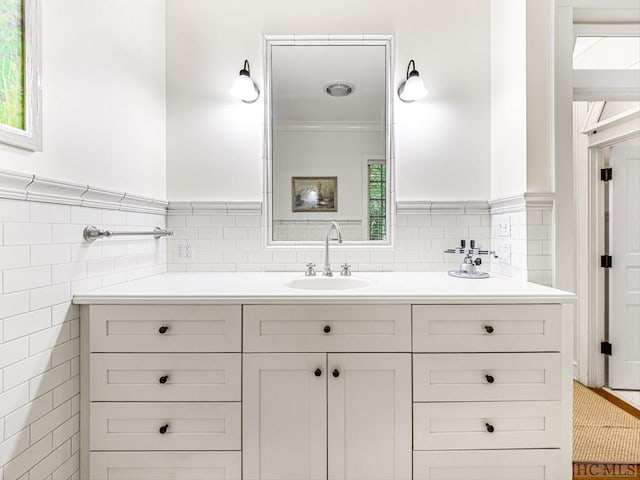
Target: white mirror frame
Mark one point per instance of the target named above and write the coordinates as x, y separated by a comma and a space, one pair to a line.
274, 40
31, 137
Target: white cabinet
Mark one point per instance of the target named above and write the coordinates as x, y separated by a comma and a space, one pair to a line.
369, 405
452, 377
164, 466
327, 328
285, 417
160, 392
296, 407
490, 465
335, 391
486, 328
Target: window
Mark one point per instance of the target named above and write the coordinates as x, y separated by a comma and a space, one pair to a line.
377, 198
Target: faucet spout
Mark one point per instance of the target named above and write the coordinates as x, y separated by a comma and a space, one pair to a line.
333, 227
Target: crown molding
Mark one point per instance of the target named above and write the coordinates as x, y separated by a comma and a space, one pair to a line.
20, 186
428, 207
48, 190
14, 185
204, 207
523, 203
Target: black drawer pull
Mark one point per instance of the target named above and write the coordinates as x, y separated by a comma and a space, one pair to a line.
490, 428
489, 329
327, 329
163, 379
163, 429
318, 372
490, 378
162, 330
336, 372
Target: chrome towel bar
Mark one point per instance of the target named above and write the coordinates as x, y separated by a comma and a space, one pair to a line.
92, 233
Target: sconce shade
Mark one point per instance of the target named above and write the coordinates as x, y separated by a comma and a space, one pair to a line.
412, 88
244, 88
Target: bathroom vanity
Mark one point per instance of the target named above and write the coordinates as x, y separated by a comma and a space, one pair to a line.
397, 376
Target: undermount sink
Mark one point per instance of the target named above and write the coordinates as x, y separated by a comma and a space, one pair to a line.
328, 283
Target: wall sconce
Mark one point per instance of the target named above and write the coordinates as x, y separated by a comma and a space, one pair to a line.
244, 88
412, 88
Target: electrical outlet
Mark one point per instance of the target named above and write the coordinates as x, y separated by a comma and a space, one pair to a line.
184, 251
504, 253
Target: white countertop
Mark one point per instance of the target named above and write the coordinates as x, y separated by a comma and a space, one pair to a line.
398, 287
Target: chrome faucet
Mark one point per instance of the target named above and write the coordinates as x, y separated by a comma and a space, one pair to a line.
327, 264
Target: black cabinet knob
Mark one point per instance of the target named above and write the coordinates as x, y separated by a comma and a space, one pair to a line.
163, 379
163, 330
490, 428
490, 378
336, 372
488, 328
163, 429
327, 329
318, 372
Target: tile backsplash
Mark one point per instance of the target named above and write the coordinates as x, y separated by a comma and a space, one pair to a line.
43, 262
234, 240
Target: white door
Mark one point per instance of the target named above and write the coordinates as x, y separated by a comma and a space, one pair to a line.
369, 403
284, 409
624, 286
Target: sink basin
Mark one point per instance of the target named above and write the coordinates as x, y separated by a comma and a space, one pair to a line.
328, 283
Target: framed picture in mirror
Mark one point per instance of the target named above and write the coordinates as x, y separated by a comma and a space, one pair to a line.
314, 194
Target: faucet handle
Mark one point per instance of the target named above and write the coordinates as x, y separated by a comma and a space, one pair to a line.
311, 270
345, 272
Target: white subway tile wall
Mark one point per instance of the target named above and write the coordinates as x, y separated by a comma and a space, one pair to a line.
43, 262
523, 241
235, 242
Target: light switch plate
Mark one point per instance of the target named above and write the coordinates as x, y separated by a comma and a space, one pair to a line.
504, 227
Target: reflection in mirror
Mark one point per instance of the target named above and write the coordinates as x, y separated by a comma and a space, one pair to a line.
329, 141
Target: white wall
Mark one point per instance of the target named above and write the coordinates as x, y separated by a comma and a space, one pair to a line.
104, 96
508, 98
521, 98
215, 144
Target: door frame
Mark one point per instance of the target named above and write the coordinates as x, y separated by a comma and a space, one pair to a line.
602, 136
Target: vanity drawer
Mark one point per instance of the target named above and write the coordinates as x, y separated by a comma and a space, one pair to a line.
187, 328
327, 328
486, 377
490, 465
465, 426
165, 466
186, 376
189, 426
486, 328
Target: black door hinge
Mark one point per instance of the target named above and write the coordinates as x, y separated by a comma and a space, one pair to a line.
606, 261
606, 174
605, 348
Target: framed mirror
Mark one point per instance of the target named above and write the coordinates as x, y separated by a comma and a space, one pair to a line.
328, 148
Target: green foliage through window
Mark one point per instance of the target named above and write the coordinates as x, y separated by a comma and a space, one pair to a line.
12, 77
377, 172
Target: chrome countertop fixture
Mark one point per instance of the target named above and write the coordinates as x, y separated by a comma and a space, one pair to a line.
326, 271
471, 262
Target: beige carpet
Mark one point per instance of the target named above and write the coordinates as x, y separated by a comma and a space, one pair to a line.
603, 432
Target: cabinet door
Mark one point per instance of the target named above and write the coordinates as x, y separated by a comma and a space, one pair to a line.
369, 408
284, 417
